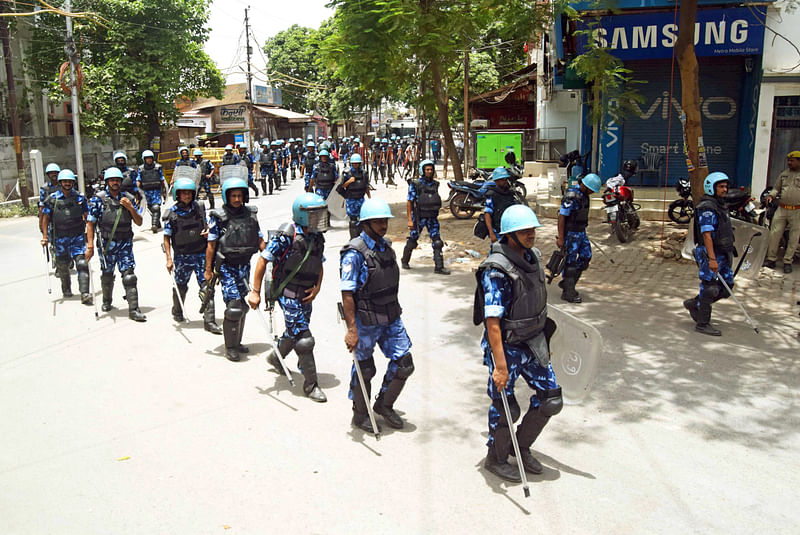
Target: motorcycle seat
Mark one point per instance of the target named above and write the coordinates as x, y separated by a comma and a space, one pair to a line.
468, 185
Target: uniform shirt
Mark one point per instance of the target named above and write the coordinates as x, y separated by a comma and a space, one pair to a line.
788, 187
204, 169
43, 192
354, 267
412, 190
707, 220
279, 244
213, 228
570, 205
178, 210
59, 194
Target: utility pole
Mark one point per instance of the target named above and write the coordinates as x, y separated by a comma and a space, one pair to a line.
466, 111
249, 90
72, 56
22, 182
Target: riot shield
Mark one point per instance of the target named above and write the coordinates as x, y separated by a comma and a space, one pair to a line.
575, 351
186, 171
336, 203
743, 233
232, 171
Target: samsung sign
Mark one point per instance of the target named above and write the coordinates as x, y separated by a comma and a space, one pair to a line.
717, 32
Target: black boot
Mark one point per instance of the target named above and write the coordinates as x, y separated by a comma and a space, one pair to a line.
691, 306
285, 346
239, 347
360, 409
82, 267
62, 272
230, 331
132, 296
496, 460
568, 286
406, 258
252, 186
107, 287
177, 310
438, 261
528, 431
387, 411
704, 318
310, 385
209, 321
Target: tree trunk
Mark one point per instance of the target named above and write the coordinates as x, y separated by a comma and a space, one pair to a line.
690, 98
444, 120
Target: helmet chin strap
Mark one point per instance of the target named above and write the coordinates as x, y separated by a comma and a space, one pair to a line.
516, 240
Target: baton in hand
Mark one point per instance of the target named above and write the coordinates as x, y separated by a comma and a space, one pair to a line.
361, 380
271, 334
47, 268
514, 442
746, 315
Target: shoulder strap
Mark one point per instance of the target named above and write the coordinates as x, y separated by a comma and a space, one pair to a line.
291, 275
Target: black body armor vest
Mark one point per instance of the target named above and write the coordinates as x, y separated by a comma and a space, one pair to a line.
186, 230
579, 219
111, 207
238, 234
150, 177
66, 216
306, 277
428, 199
358, 188
723, 237
376, 301
325, 177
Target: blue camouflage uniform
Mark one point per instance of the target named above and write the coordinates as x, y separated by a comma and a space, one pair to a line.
576, 244
66, 247
46, 190
232, 277
153, 196
206, 167
707, 221
309, 162
117, 253
430, 223
352, 206
392, 338
186, 264
520, 360
324, 192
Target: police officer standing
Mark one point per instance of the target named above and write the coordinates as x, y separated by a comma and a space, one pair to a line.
370, 277
324, 175
129, 174
229, 158
511, 301
573, 218
293, 262
713, 234
247, 159
64, 212
422, 209
233, 238
184, 159
499, 196
151, 180
267, 167
355, 184
185, 232
307, 164
207, 171
787, 191
111, 213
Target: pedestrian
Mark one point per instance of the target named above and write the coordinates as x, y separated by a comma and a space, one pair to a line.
499, 196
247, 159
324, 175
207, 171
151, 180
385, 158
308, 162
436, 148
511, 301
234, 237
355, 184
64, 220
111, 214
185, 232
369, 283
787, 193
293, 264
422, 209
573, 218
713, 252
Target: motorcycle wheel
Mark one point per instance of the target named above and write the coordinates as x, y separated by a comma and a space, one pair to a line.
623, 228
458, 200
521, 191
681, 211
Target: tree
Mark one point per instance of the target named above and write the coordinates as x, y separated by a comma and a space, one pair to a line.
143, 58
291, 53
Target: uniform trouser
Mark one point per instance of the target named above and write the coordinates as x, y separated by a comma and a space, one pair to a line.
296, 317
294, 164
185, 266
206, 186
67, 250
711, 290
268, 181
780, 220
153, 198
394, 343
353, 207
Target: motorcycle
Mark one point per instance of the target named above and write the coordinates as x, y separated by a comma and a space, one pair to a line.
682, 210
741, 206
466, 198
570, 160
619, 205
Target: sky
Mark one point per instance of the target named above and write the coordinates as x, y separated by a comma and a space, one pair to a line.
267, 17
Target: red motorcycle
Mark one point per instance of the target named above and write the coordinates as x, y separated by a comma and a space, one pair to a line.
619, 205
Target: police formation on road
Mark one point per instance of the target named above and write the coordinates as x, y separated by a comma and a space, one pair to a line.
217, 247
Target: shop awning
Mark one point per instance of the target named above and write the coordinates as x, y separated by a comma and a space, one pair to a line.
281, 113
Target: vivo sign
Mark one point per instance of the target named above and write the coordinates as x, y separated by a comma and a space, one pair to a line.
717, 32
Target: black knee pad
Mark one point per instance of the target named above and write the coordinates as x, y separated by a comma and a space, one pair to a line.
437, 243
80, 263
513, 406
411, 243
711, 292
368, 369
305, 343
234, 310
405, 367
129, 278
550, 402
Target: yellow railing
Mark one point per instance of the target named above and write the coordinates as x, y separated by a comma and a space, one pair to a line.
168, 159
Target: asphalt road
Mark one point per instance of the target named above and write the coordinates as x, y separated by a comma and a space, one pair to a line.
110, 426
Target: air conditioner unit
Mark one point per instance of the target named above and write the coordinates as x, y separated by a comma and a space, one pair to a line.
479, 123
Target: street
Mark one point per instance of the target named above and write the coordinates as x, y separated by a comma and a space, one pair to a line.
112, 426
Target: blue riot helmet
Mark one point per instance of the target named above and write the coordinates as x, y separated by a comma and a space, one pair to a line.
374, 208
67, 174
500, 173
518, 217
356, 158
310, 211
311, 144
198, 152
186, 184
112, 172
711, 181
52, 168
424, 164
232, 184
593, 182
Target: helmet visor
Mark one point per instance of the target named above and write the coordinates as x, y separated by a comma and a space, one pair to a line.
319, 219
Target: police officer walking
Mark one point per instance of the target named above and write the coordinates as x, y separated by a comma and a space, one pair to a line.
151, 180
499, 196
573, 218
324, 175
185, 232
184, 158
293, 263
51, 171
267, 167
307, 163
369, 283
64, 213
206, 175
355, 184
111, 213
787, 192
129, 174
229, 158
713, 236
233, 238
247, 159
511, 301
422, 209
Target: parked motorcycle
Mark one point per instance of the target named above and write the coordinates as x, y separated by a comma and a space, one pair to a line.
619, 205
570, 160
466, 198
741, 205
682, 210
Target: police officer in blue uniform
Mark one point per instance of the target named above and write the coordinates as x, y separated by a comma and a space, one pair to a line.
369, 283
573, 218
511, 301
247, 159
293, 264
355, 184
308, 162
234, 237
151, 180
267, 168
185, 232
51, 171
184, 159
713, 236
129, 174
324, 175
206, 175
422, 207
229, 158
111, 213
295, 148
64, 214
499, 196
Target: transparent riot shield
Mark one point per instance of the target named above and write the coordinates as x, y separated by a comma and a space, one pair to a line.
186, 171
232, 171
336, 203
748, 236
575, 351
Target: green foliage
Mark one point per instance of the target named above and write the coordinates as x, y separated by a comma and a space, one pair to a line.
17, 210
148, 56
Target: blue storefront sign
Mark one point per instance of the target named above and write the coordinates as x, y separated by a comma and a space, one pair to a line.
641, 4
718, 32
